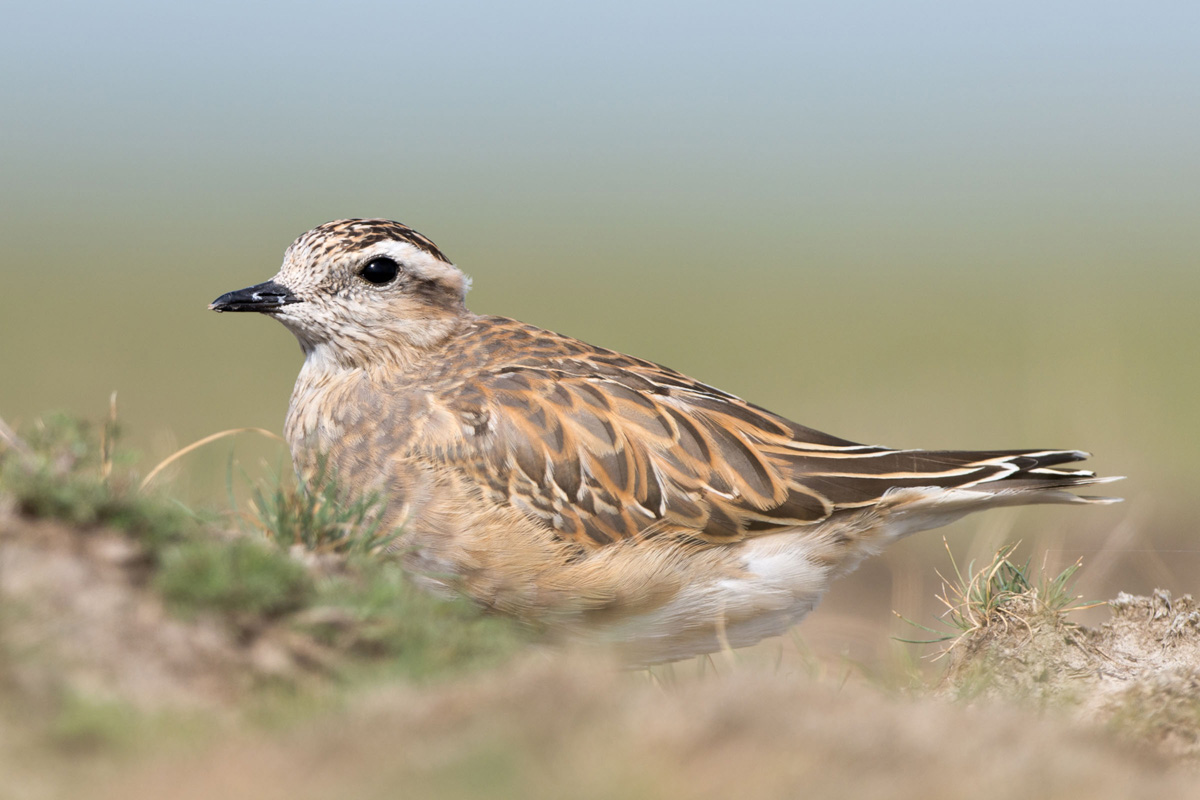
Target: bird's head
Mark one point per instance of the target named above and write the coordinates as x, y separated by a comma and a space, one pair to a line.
357, 291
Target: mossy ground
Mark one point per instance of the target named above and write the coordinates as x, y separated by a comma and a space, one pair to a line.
149, 650
204, 605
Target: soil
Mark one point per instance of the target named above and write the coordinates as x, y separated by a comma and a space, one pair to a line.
78, 618
1138, 673
1030, 705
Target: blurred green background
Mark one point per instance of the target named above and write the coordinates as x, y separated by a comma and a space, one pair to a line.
919, 224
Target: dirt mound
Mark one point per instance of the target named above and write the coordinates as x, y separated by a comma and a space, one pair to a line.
78, 618
1138, 673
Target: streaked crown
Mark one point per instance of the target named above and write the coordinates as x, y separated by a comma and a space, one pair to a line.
357, 234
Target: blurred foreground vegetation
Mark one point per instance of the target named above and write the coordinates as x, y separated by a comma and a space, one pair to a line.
302, 560
148, 648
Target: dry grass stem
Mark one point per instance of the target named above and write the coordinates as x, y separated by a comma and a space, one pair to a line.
180, 453
11, 439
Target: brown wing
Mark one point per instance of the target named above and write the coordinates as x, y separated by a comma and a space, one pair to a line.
604, 447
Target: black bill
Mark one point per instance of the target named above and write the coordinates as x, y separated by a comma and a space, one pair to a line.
264, 297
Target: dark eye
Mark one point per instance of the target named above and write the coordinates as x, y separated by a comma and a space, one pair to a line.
380, 271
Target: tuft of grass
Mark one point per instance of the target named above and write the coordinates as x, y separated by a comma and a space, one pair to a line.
66, 468
243, 579
978, 598
374, 611
321, 518
1009, 635
1001, 591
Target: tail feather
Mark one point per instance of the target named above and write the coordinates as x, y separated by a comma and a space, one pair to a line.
1036, 478
1022, 476
964, 482
1032, 482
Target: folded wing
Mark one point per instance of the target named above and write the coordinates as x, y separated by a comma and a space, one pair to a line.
612, 448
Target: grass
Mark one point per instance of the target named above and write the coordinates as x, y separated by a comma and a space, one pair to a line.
1009, 636
978, 598
315, 568
241, 579
373, 611
65, 468
313, 561
320, 518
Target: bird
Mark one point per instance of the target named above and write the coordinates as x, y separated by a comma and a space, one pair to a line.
580, 489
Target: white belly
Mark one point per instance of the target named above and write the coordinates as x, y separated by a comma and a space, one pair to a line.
778, 584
